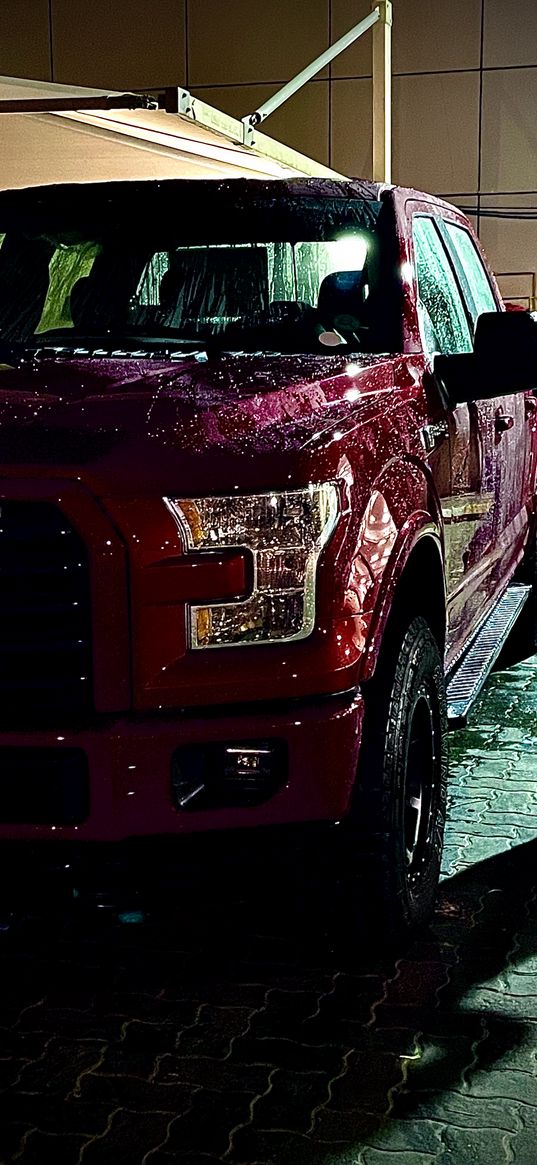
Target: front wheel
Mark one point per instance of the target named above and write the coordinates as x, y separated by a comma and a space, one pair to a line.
396, 826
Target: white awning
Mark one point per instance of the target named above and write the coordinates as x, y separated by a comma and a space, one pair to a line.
107, 144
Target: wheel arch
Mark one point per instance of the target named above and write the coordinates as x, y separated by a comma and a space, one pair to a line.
413, 583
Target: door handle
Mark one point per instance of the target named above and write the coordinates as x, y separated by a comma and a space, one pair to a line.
432, 435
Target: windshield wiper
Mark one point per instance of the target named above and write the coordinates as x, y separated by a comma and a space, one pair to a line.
64, 344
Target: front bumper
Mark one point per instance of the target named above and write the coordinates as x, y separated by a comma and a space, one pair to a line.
129, 765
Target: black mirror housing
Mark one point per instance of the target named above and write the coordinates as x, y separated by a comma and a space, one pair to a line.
504, 360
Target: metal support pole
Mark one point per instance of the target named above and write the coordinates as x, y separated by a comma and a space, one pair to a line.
253, 119
382, 93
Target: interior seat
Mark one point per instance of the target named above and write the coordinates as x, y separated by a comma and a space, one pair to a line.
342, 304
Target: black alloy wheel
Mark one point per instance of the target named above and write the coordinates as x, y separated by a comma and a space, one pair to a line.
419, 786
395, 830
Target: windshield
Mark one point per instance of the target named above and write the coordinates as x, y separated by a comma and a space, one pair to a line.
236, 266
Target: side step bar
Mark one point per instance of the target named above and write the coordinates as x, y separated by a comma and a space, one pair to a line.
466, 682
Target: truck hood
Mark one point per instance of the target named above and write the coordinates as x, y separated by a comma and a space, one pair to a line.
113, 416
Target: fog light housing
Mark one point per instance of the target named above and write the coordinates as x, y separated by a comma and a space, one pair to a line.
227, 774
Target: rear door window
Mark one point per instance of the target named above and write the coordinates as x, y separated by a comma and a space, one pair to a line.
475, 282
443, 320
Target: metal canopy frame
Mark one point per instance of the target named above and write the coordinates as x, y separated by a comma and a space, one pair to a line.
380, 20
57, 99
66, 104
102, 109
305, 75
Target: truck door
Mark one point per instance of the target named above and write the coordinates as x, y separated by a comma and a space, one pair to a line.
507, 415
467, 490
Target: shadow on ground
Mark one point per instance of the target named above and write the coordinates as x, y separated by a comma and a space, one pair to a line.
213, 1022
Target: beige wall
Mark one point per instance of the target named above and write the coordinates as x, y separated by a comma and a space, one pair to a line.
465, 85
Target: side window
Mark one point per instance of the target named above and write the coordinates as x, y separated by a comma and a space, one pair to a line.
443, 319
477, 289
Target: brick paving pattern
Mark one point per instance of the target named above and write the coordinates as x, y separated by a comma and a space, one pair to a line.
206, 1030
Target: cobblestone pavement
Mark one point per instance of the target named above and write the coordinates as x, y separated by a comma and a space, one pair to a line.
209, 1031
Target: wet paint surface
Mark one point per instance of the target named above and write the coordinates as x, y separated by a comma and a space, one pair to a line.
130, 433
244, 405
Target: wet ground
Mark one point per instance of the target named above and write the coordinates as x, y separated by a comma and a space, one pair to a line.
213, 1028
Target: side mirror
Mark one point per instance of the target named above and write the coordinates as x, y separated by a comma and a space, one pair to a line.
504, 360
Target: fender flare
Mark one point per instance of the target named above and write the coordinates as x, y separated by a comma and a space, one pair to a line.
414, 532
402, 509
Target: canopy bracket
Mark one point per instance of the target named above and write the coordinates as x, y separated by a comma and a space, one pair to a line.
175, 99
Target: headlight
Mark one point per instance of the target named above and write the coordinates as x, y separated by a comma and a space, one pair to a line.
285, 533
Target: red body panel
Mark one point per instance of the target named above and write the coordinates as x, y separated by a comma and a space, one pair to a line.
130, 764
124, 434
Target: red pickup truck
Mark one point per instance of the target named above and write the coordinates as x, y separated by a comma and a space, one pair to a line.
268, 461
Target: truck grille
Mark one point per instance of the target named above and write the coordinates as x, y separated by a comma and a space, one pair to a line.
43, 786
45, 616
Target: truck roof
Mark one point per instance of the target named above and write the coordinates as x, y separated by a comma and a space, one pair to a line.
61, 134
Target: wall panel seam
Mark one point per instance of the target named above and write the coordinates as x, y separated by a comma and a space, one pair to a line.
187, 46
50, 40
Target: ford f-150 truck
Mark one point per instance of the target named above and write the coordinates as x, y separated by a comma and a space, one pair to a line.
268, 459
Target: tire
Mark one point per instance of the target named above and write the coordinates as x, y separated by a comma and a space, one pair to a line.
396, 826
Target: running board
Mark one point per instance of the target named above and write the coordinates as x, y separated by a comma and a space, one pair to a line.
466, 682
